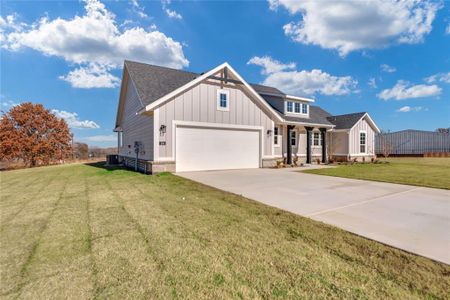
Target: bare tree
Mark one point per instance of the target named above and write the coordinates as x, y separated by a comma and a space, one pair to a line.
385, 145
332, 144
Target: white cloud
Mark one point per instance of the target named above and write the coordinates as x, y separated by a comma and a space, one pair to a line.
173, 14
93, 38
73, 121
170, 12
139, 9
447, 30
387, 68
442, 77
269, 65
406, 108
8, 104
372, 83
92, 76
100, 138
404, 90
355, 25
303, 82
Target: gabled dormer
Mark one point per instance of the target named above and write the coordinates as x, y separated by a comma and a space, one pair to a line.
297, 106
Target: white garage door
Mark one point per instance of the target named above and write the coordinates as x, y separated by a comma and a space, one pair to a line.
216, 149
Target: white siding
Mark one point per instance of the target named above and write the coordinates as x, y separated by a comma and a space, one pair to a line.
362, 125
135, 127
199, 104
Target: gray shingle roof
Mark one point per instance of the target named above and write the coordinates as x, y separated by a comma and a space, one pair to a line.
262, 89
153, 82
316, 116
345, 121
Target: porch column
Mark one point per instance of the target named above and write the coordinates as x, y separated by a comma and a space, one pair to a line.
308, 144
289, 145
323, 132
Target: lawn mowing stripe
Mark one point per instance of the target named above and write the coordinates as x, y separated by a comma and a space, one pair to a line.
136, 252
61, 261
16, 250
175, 189
150, 249
41, 231
28, 196
94, 270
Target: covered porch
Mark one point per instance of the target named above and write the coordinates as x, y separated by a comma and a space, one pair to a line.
305, 143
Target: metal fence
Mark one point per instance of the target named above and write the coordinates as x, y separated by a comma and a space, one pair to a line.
412, 142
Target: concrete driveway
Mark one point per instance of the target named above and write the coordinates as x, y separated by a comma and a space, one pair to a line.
412, 218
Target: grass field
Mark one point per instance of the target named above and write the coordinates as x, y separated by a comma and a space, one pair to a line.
82, 232
429, 172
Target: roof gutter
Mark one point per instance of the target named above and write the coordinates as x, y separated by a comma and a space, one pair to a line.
299, 98
308, 124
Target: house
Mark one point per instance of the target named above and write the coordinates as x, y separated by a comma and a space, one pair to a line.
413, 143
173, 120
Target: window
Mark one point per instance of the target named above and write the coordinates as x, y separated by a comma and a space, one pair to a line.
293, 138
120, 138
304, 108
362, 141
289, 106
296, 107
276, 136
223, 100
316, 139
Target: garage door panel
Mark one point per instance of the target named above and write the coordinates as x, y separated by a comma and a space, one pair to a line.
216, 149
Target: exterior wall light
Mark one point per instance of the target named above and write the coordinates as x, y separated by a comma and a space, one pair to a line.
162, 129
269, 132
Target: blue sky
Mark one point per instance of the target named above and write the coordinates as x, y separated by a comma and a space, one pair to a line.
388, 58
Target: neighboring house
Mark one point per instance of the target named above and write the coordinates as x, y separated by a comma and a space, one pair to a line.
412, 142
174, 120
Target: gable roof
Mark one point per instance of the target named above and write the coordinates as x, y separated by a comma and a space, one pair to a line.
153, 82
346, 121
156, 84
267, 90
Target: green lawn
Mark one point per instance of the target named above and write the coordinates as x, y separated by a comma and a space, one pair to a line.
429, 172
82, 232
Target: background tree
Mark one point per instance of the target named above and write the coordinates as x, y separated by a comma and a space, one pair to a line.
32, 134
385, 144
81, 150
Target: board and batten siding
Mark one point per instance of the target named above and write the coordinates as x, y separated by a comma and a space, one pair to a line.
136, 128
199, 104
362, 125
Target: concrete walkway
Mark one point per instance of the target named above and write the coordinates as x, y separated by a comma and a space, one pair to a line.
412, 218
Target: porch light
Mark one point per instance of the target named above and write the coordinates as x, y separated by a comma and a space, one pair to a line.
269, 132
162, 129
